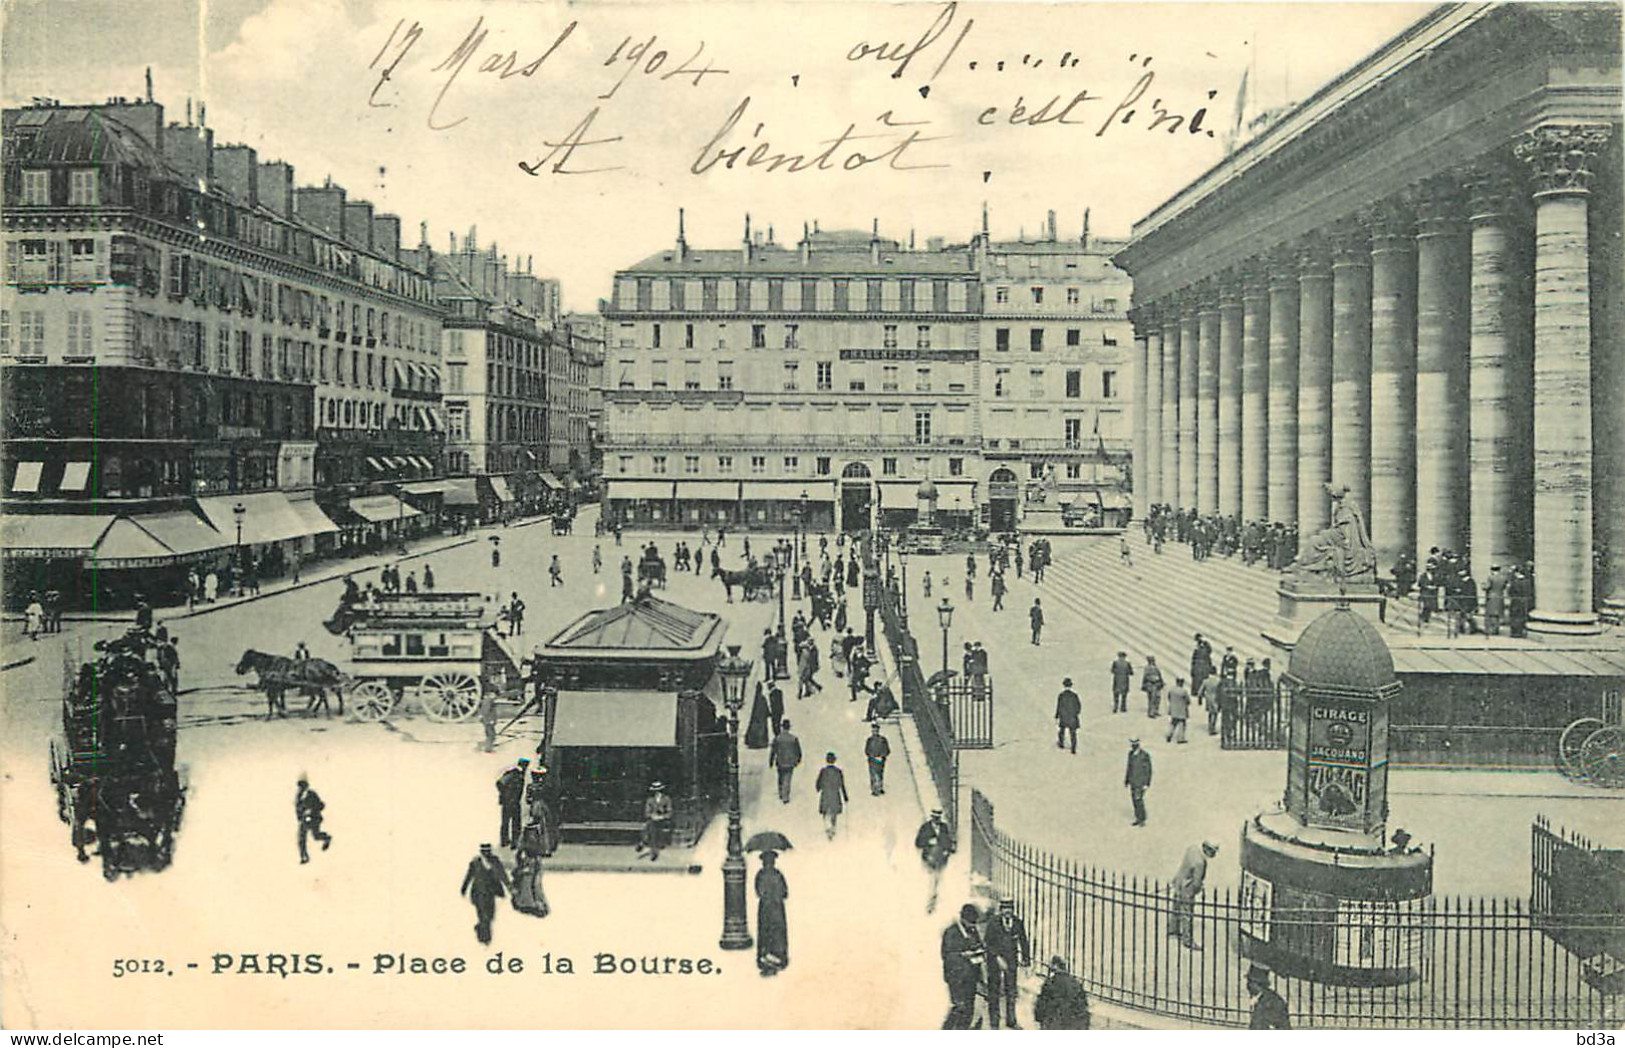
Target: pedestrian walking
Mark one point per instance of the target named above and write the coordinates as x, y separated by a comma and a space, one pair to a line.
1122, 673
428, 578
516, 616
784, 756
34, 617
1062, 1004
1269, 1010
1188, 882
1035, 615
555, 573
926, 583
211, 587
775, 710
1008, 951
308, 808
772, 926
832, 797
963, 954
510, 798
597, 558
657, 815
411, 582
528, 897
485, 882
1211, 695
488, 719
935, 843
1179, 711
1151, 684
1137, 778
875, 751
998, 588
1067, 709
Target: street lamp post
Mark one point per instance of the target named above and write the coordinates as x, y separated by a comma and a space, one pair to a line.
781, 559
238, 512
902, 558
801, 519
945, 618
735, 673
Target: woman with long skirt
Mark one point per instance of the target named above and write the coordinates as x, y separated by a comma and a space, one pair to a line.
756, 733
772, 930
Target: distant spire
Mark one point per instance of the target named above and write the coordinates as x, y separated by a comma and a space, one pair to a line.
472, 241
984, 219
911, 238
747, 227
1086, 228
149, 83
874, 230
188, 112
423, 234
682, 238
202, 118
770, 233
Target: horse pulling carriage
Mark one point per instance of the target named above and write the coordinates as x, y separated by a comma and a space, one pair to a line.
563, 523
439, 648
652, 572
757, 581
114, 765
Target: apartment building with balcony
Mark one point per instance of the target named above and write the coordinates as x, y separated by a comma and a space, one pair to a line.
1056, 372
769, 384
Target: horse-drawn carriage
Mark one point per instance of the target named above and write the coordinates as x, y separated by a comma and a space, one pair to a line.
652, 572
757, 581
563, 523
114, 765
437, 648
1592, 749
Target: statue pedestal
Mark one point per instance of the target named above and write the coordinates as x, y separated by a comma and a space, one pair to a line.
1304, 600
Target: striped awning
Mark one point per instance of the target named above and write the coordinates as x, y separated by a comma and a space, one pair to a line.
49, 535
640, 489
381, 508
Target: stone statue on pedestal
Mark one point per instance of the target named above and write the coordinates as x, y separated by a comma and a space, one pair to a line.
1341, 553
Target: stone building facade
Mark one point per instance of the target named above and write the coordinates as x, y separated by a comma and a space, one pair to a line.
1410, 284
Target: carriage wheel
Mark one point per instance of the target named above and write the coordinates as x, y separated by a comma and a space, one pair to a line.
59, 779
1602, 757
371, 700
450, 696
1569, 743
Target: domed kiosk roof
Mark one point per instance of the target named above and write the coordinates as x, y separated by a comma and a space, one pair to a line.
1342, 653
926, 490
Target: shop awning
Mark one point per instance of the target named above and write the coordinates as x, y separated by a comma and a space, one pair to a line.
75, 476
548, 479
788, 491
902, 495
499, 488
434, 419
1115, 500
712, 490
125, 545
956, 498
46, 535
529, 454
377, 466
623, 719
381, 508
400, 374
462, 492
183, 532
640, 489
268, 518
26, 480
427, 487
316, 522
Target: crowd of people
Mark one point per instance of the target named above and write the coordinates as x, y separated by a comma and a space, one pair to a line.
1273, 543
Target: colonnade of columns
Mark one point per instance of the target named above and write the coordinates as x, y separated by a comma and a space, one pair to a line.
1434, 353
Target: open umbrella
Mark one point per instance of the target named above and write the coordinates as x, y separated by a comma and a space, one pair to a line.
768, 840
941, 677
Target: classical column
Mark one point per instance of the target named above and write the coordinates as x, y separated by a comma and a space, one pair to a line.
1492, 352
1207, 402
1137, 317
1392, 512
1351, 363
1608, 372
1190, 410
1148, 473
1282, 421
1173, 407
1443, 333
1230, 331
1255, 391
1559, 157
1314, 386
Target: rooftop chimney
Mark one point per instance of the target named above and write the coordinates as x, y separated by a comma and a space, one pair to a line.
237, 170
1086, 229
191, 150
386, 236
874, 242
682, 238
806, 244
1050, 226
423, 234
323, 207
745, 255
276, 187
144, 118
358, 223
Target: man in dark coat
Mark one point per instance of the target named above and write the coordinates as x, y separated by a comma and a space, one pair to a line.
935, 843
1229, 666
962, 957
875, 751
1201, 663
1008, 951
1062, 1004
832, 797
1269, 1010
1137, 777
775, 709
1035, 615
485, 882
511, 796
1495, 601
1122, 673
308, 808
1067, 708
783, 756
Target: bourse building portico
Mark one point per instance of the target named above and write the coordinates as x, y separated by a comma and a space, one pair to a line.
1410, 284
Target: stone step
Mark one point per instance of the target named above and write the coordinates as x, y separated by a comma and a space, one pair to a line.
1214, 597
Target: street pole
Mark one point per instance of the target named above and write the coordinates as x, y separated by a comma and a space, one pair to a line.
735, 671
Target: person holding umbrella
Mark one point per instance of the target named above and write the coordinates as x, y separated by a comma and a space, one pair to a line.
772, 927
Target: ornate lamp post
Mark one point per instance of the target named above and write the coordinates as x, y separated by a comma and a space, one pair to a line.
902, 558
735, 673
801, 519
781, 559
945, 618
238, 512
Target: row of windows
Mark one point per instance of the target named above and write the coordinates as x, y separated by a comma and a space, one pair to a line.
1038, 384
1074, 298
791, 376
793, 294
660, 465
1035, 339
787, 335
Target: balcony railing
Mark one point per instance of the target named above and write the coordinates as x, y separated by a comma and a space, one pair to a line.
799, 441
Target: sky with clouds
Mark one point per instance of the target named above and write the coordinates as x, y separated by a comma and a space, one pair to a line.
443, 136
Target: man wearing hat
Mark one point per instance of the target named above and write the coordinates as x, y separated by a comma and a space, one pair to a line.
1495, 601
1188, 884
510, 796
657, 816
783, 756
1067, 708
1269, 1010
485, 882
1137, 778
1122, 671
875, 751
832, 797
962, 957
1008, 949
308, 808
540, 824
935, 842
